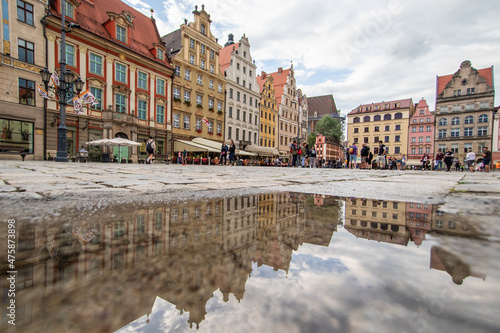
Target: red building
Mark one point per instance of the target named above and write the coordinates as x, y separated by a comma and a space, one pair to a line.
118, 53
421, 133
328, 149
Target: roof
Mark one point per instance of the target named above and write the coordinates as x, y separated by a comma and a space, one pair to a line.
261, 81
322, 105
442, 81
280, 78
92, 18
173, 42
403, 104
225, 56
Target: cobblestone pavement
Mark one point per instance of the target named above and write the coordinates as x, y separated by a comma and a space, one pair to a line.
39, 184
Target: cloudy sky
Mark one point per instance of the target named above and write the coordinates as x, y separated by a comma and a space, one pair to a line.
359, 51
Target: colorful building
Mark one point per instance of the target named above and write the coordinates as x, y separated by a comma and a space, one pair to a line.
198, 83
243, 95
268, 111
385, 121
328, 149
464, 110
421, 133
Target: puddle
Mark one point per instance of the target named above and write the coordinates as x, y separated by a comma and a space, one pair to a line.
269, 262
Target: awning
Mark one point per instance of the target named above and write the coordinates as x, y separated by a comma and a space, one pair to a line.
218, 146
267, 151
181, 145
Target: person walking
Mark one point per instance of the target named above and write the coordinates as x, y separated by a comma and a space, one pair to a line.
312, 158
232, 151
448, 159
353, 156
184, 156
381, 155
403, 162
223, 154
365, 155
305, 153
470, 159
294, 151
439, 160
179, 157
399, 161
425, 161
486, 159
150, 148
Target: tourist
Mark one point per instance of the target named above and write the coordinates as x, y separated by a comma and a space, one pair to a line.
448, 159
184, 157
179, 157
486, 159
470, 159
353, 156
403, 162
150, 148
381, 155
365, 154
312, 158
399, 160
223, 154
232, 151
294, 150
439, 160
425, 161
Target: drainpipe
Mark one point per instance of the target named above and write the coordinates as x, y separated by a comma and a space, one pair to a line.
44, 25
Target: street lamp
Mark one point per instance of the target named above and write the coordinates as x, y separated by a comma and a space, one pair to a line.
64, 91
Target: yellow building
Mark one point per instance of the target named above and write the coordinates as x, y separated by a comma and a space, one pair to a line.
385, 121
268, 111
198, 87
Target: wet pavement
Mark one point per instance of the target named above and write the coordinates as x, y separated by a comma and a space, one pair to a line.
137, 248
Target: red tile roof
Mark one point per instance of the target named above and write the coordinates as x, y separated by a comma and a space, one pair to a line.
442, 81
261, 80
225, 56
92, 18
322, 105
280, 78
403, 103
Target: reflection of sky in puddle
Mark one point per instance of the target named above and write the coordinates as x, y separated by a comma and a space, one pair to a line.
282, 280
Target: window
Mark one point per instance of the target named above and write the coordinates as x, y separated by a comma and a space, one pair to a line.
198, 124
237, 66
230, 113
203, 48
387, 117
387, 128
187, 74
356, 130
428, 128
469, 120
420, 128
413, 150
186, 122
441, 133
191, 59
121, 34
467, 146
203, 31
210, 103
176, 122
244, 116
420, 139
187, 96
219, 128
398, 128
483, 118
211, 84
230, 92
398, 115
160, 87
24, 12
413, 140
70, 55
212, 68
202, 64
142, 107
69, 10
356, 120
199, 100
468, 131
121, 73
386, 138
177, 70
177, 93
191, 43
237, 134
98, 97
481, 131
238, 96
244, 98
219, 106
212, 54
366, 129
455, 132
200, 79
455, 108
455, 121
220, 88
376, 129
366, 119
457, 92
469, 106
443, 109
238, 114
454, 147
142, 81
120, 103
95, 64
443, 122
238, 80
427, 139
397, 138
377, 118
420, 150
160, 54
414, 129
26, 51
229, 132
160, 114
26, 92
470, 91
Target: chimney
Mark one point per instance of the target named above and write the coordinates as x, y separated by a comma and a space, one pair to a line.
280, 70
263, 74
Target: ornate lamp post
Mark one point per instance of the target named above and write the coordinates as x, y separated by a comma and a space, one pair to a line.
66, 81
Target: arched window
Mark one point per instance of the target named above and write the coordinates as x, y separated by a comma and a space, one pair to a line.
455, 121
398, 115
203, 29
356, 120
483, 118
377, 118
387, 117
443, 122
366, 119
469, 120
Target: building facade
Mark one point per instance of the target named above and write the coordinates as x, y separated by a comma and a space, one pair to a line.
242, 93
464, 110
303, 113
421, 133
198, 84
495, 147
328, 149
22, 56
385, 121
268, 111
288, 108
320, 106
120, 57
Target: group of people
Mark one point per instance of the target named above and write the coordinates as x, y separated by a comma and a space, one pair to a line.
448, 158
302, 155
382, 161
225, 151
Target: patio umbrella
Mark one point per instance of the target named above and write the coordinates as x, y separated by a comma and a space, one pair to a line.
114, 142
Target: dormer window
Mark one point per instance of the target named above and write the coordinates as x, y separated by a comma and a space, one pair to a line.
70, 10
203, 29
121, 34
160, 54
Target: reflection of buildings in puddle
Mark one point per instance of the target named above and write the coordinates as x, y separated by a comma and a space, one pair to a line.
451, 224
446, 261
418, 220
182, 253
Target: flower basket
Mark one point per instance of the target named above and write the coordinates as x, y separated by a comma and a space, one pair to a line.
219, 134
219, 112
210, 132
210, 109
187, 103
177, 99
199, 106
199, 131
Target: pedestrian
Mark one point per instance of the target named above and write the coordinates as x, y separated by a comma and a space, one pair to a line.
184, 157
458, 166
294, 150
403, 162
223, 154
353, 156
312, 158
470, 159
232, 151
381, 155
365, 154
425, 161
486, 159
439, 160
369, 161
305, 153
448, 159
150, 148
399, 160
179, 157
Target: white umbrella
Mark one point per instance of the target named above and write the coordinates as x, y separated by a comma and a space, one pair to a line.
114, 142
